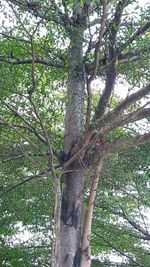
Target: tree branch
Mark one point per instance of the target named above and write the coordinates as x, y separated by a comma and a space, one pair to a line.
118, 250
5, 35
124, 143
139, 31
126, 119
131, 99
96, 62
135, 225
99, 42
111, 71
25, 180
30, 127
40, 11
3, 121
45, 131
145, 234
122, 106
43, 61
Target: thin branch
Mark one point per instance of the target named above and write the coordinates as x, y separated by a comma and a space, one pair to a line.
12, 158
142, 237
18, 17
142, 216
25, 180
2, 120
5, 35
133, 55
64, 18
99, 42
31, 128
30, 92
45, 131
135, 225
27, 155
118, 250
65, 8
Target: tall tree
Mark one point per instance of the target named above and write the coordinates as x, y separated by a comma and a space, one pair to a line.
52, 52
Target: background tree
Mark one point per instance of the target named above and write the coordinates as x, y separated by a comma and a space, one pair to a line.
55, 123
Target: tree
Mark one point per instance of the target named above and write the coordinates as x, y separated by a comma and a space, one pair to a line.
63, 128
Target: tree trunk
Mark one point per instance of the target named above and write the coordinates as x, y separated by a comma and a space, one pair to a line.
68, 238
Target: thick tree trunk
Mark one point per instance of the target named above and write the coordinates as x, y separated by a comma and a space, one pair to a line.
69, 237
69, 230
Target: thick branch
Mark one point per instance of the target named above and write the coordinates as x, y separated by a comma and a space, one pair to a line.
124, 143
96, 61
131, 99
139, 32
96, 136
111, 71
111, 117
122, 58
126, 119
40, 11
99, 42
43, 61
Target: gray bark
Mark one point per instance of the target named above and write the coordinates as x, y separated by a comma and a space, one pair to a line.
67, 251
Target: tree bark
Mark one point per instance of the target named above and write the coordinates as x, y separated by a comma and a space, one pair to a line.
69, 230
85, 246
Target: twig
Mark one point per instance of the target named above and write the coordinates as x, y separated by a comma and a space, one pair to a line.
31, 128
25, 180
5, 35
50, 151
118, 250
2, 120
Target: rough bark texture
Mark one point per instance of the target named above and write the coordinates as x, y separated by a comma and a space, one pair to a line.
71, 218
69, 235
